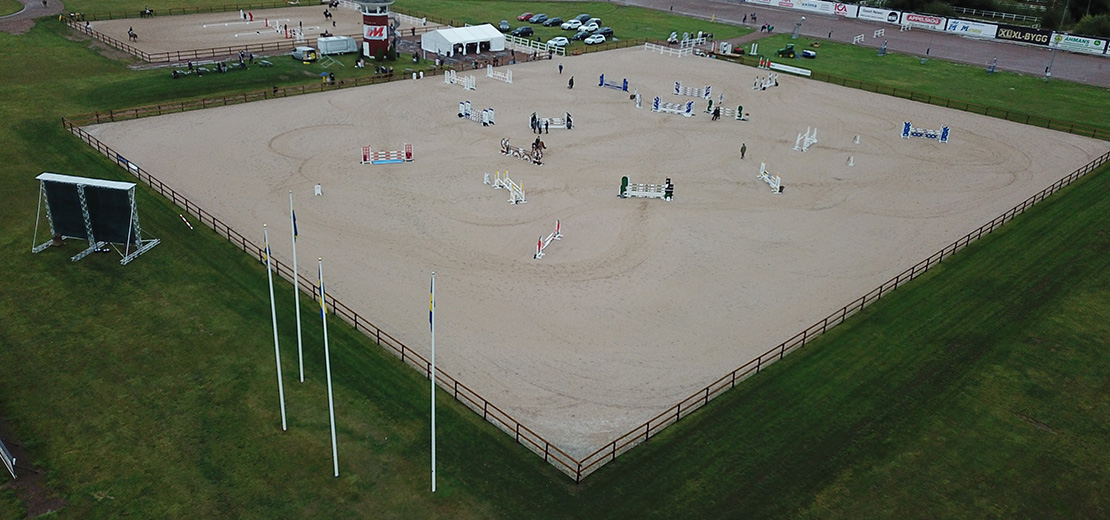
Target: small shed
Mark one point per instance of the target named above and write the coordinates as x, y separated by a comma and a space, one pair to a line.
463, 40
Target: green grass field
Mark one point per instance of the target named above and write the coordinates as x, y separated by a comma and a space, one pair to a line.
149, 390
10, 6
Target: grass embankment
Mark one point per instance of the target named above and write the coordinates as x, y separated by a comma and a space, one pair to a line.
10, 7
976, 391
1058, 100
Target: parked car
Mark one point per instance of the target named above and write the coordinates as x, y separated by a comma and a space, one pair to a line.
593, 20
571, 25
558, 41
605, 31
590, 27
538, 18
523, 31
551, 22
594, 39
524, 17
582, 18
503, 26
580, 35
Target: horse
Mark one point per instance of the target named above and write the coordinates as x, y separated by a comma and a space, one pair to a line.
131, 36
146, 13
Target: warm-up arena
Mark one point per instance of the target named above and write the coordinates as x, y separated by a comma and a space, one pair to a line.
642, 302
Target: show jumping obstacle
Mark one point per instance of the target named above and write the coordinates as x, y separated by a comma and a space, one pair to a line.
772, 180
485, 116
686, 109
663, 191
516, 192
544, 242
565, 122
506, 76
451, 77
772, 80
389, 157
909, 131
700, 92
622, 86
535, 156
806, 140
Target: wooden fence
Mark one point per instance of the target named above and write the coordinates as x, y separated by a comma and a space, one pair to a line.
462, 393
702, 397
578, 469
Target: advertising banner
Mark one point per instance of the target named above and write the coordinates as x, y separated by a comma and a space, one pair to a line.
823, 7
924, 21
969, 28
1023, 34
763, 2
879, 15
1075, 43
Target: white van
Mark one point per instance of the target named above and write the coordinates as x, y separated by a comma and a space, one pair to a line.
304, 54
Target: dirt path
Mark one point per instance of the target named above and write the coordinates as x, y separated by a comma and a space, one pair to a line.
24, 20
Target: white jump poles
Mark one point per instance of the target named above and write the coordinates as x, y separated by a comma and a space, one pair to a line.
544, 242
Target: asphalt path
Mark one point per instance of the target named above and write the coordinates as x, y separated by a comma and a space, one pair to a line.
1014, 57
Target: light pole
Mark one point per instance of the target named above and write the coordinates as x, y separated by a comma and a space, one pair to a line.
1052, 59
797, 27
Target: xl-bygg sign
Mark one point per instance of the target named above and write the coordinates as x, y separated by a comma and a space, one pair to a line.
1023, 34
374, 32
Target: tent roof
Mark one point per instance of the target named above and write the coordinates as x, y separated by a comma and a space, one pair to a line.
472, 33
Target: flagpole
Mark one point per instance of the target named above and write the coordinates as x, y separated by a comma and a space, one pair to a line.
327, 364
432, 321
296, 286
273, 316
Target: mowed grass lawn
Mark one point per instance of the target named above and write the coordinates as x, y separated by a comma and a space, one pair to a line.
1058, 100
149, 390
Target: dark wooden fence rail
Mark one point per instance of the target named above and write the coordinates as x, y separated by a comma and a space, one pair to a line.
578, 469
490, 412
211, 53
700, 398
115, 15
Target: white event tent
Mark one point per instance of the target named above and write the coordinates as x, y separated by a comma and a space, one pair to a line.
463, 40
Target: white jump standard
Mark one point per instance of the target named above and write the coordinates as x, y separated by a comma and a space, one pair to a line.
387, 157
909, 131
772, 180
506, 76
663, 191
623, 86
515, 190
451, 77
772, 80
700, 92
806, 140
686, 109
544, 242
485, 116
565, 122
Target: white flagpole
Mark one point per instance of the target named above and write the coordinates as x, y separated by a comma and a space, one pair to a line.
432, 321
296, 285
327, 364
273, 316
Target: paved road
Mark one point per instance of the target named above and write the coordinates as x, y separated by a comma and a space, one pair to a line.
1025, 59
